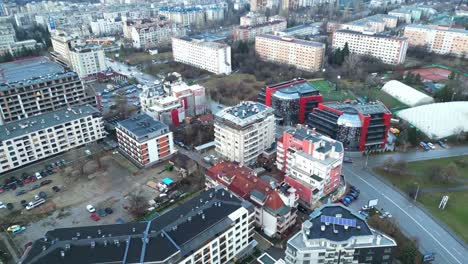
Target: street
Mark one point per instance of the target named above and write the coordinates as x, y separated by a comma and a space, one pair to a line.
130, 71
432, 237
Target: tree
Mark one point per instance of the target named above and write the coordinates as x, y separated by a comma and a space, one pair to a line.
413, 136
137, 205
388, 164
345, 50
450, 172
400, 167
435, 173
452, 76
409, 252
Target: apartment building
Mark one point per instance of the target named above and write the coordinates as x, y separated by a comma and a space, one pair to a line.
391, 50
214, 14
37, 137
144, 140
376, 24
184, 16
303, 54
248, 33
146, 34
8, 43
295, 4
292, 100
35, 86
301, 30
193, 98
311, 162
337, 234
438, 39
244, 131
88, 59
111, 26
212, 227
407, 14
62, 43
360, 127
167, 109
202, 53
275, 203
252, 19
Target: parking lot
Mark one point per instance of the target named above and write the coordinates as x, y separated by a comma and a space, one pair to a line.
107, 188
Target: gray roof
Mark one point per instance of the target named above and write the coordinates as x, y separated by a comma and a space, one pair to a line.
169, 237
244, 113
143, 126
371, 108
293, 40
347, 31
43, 121
27, 69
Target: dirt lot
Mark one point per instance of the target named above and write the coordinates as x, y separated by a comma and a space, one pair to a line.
109, 188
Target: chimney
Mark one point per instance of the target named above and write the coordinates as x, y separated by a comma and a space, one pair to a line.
322, 228
62, 253
378, 239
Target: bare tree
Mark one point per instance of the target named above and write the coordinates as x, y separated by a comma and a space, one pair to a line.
388, 164
137, 205
450, 172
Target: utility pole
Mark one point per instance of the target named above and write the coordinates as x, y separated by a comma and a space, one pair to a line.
417, 191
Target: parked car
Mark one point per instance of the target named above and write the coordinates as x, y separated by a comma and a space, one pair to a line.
101, 212
20, 192
424, 146
46, 182
347, 160
34, 187
56, 189
28, 244
2, 205
442, 144
90, 208
20, 183
24, 203
429, 144
10, 206
365, 214
38, 175
94, 217
109, 210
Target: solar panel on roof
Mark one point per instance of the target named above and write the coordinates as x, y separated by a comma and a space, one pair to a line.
338, 221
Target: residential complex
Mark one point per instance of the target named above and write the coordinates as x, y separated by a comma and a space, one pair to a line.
252, 19
244, 131
8, 43
202, 53
292, 100
62, 43
438, 39
359, 127
36, 86
391, 50
337, 234
304, 55
275, 204
250, 31
301, 30
376, 23
146, 34
111, 26
40, 136
88, 59
212, 227
144, 140
312, 163
184, 16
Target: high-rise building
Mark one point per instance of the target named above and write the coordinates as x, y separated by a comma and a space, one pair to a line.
249, 32
391, 50
312, 163
203, 53
62, 43
275, 203
144, 140
359, 127
88, 59
292, 100
438, 39
111, 26
40, 136
303, 54
184, 16
337, 234
36, 86
244, 131
212, 227
146, 34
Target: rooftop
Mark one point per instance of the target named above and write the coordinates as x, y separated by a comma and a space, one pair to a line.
293, 40
347, 31
245, 113
300, 27
297, 87
371, 108
50, 119
434, 27
143, 126
325, 143
168, 237
29, 68
266, 24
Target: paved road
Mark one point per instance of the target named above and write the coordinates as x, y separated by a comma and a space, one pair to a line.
414, 221
123, 69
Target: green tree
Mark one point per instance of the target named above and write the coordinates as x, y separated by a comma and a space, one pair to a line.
345, 50
413, 136
409, 253
452, 76
338, 57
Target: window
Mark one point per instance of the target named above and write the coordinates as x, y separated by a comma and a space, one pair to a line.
369, 258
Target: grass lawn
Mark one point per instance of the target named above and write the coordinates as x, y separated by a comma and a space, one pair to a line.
329, 93
456, 212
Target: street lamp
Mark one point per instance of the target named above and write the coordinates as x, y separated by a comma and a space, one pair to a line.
417, 191
337, 80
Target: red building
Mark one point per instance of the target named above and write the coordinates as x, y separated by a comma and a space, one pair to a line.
312, 163
292, 100
360, 127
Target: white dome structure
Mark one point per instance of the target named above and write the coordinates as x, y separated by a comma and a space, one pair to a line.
406, 94
439, 120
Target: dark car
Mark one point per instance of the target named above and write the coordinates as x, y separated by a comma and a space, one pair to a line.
46, 182
20, 192
34, 187
10, 206
12, 186
109, 210
20, 183
42, 195
56, 189
101, 212
24, 203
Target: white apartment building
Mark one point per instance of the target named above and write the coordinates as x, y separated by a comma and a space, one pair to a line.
145, 35
303, 54
214, 14
7, 37
244, 131
207, 55
88, 59
184, 16
62, 43
144, 140
110, 26
337, 234
391, 50
37, 137
438, 39
213, 227
193, 98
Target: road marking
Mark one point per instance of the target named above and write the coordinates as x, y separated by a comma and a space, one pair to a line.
432, 236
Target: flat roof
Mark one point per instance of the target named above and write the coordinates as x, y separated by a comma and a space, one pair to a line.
42, 121
348, 31
28, 68
245, 113
143, 125
370, 108
292, 40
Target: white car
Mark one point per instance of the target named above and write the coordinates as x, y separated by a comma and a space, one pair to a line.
90, 208
2, 205
431, 145
38, 176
